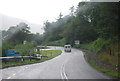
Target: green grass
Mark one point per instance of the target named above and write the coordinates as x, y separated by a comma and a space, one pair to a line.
50, 53
106, 52
43, 47
60, 42
96, 45
106, 71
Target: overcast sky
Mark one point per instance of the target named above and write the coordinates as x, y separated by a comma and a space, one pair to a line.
36, 11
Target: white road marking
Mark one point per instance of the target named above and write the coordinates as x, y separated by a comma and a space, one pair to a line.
17, 72
63, 74
8, 77
14, 74
11, 76
26, 67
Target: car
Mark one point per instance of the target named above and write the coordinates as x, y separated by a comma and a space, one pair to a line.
67, 48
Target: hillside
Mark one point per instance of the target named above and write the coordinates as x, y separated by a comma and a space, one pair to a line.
8, 21
95, 25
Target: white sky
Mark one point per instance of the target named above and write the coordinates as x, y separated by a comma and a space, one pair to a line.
36, 11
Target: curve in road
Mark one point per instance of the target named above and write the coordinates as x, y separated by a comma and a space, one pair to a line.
65, 66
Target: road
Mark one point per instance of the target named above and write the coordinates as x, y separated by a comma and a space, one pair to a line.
65, 66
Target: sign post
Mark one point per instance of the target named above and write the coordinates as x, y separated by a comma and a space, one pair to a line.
77, 43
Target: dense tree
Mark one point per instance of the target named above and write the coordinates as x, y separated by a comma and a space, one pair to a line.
53, 30
16, 35
90, 21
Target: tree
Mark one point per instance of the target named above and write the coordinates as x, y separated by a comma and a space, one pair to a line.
60, 16
72, 10
90, 21
17, 34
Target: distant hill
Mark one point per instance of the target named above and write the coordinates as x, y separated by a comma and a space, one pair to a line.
8, 21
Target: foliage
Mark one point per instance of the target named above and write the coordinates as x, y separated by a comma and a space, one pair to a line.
43, 47
53, 30
96, 45
50, 53
20, 33
60, 42
107, 54
25, 49
6, 46
15, 36
18, 62
89, 22
106, 71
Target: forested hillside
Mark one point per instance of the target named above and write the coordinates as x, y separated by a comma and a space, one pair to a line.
88, 23
95, 25
15, 36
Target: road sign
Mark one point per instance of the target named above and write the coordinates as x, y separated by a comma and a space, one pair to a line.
24, 42
11, 53
77, 42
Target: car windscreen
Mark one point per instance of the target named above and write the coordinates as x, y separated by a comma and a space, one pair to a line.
67, 46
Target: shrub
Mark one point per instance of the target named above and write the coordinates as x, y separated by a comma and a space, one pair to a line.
25, 49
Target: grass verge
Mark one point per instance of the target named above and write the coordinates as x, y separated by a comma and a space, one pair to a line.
49, 53
60, 42
111, 73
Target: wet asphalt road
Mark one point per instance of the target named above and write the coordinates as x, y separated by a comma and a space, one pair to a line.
65, 66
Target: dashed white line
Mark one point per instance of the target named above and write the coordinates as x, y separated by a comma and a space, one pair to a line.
17, 72
63, 74
14, 74
11, 76
26, 67
8, 77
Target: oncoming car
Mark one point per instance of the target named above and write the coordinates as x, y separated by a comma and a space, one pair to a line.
67, 48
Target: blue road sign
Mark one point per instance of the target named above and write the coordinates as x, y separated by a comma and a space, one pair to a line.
11, 53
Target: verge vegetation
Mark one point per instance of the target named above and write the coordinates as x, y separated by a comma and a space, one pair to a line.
48, 54
95, 25
103, 55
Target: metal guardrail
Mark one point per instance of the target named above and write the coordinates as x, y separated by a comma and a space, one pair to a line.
22, 57
16, 59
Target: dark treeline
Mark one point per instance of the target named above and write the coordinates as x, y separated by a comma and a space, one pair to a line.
16, 36
20, 33
87, 23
